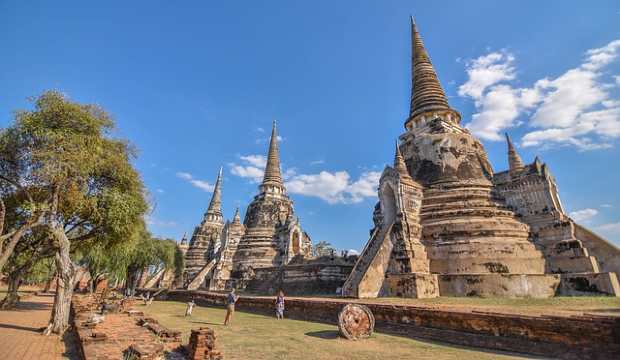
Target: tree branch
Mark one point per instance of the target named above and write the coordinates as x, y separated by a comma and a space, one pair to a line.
2, 215
19, 186
16, 235
86, 236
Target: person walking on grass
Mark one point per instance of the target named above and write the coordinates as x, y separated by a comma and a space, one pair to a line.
190, 307
230, 309
280, 305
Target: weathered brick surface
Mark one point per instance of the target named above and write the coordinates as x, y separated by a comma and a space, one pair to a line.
569, 337
202, 345
117, 334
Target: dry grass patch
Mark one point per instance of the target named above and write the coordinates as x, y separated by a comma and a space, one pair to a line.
260, 337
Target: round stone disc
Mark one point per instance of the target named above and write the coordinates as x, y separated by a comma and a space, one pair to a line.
356, 322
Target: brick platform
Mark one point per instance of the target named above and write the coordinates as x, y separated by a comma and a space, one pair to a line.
119, 333
562, 336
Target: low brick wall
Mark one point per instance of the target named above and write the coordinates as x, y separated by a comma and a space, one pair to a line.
567, 337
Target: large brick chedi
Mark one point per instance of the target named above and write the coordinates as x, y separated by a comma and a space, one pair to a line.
459, 236
273, 234
206, 239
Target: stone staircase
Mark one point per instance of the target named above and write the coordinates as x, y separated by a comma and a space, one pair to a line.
199, 279
368, 274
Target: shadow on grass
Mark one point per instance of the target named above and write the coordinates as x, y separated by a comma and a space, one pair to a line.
324, 334
206, 323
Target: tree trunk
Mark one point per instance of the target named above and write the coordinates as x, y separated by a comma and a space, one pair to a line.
48, 283
133, 277
65, 272
144, 277
10, 240
12, 296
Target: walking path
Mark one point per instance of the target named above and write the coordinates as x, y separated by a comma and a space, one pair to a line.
20, 338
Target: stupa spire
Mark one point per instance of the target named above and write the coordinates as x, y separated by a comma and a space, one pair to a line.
426, 91
184, 239
215, 206
514, 160
272, 169
237, 217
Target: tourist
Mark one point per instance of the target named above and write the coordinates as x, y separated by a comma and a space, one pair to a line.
280, 305
231, 300
190, 307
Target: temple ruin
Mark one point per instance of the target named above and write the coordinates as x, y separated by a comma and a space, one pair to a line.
447, 225
229, 255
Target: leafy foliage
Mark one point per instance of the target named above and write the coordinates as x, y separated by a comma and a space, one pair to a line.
322, 248
71, 179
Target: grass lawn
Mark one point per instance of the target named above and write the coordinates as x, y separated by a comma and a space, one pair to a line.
252, 336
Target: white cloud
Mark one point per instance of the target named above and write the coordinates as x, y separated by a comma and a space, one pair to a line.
317, 162
611, 231
485, 71
150, 220
201, 184
573, 109
266, 139
617, 80
607, 206
253, 167
160, 191
259, 161
332, 187
335, 187
583, 214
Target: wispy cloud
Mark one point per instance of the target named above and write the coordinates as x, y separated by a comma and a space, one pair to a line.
610, 231
317, 162
201, 184
332, 187
337, 187
607, 206
159, 191
574, 109
150, 220
263, 140
583, 214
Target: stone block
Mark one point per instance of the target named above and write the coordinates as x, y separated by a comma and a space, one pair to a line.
588, 284
499, 285
414, 285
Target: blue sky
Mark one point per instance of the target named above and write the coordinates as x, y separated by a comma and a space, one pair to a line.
195, 86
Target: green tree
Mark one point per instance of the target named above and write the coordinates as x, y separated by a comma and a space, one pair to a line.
76, 181
149, 252
322, 248
30, 262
